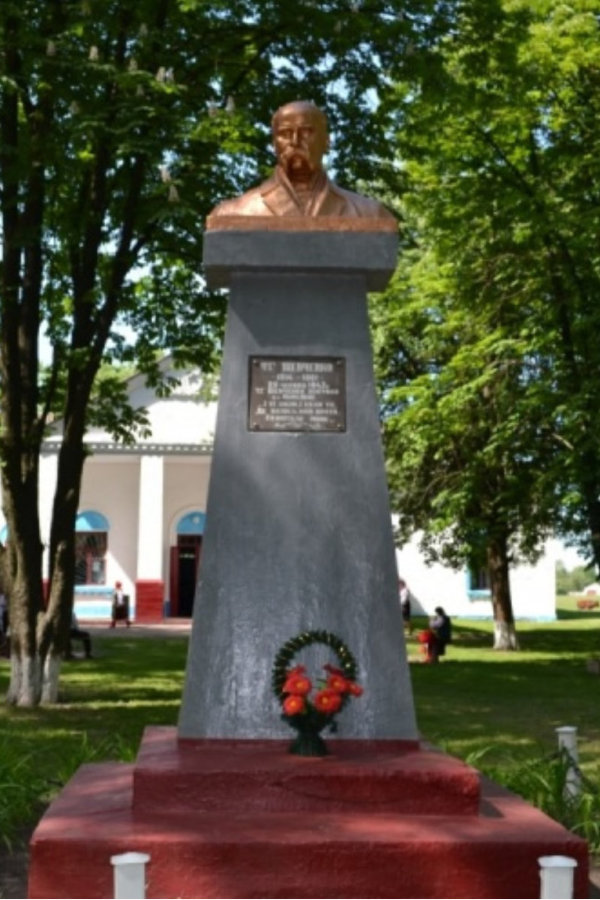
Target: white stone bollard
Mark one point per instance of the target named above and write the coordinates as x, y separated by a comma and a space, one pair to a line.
130, 875
567, 740
556, 874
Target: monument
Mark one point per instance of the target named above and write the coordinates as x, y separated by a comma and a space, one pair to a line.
298, 555
298, 532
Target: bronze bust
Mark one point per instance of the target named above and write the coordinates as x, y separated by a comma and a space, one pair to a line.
299, 185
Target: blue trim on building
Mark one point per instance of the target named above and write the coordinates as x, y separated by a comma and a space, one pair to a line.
192, 523
90, 520
94, 602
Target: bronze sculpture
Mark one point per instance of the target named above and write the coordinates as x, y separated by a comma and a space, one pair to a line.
299, 185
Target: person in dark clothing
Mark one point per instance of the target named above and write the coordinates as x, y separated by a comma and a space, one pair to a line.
76, 633
120, 606
441, 626
404, 597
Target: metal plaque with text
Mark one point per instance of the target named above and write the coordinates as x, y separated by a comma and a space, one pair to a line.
299, 393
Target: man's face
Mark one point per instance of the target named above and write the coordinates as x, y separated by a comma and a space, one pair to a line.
300, 140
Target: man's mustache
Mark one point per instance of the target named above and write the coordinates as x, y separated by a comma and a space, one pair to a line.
290, 153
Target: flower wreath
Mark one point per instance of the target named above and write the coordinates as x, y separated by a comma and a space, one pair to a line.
292, 687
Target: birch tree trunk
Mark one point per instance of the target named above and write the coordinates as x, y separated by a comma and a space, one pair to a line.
505, 636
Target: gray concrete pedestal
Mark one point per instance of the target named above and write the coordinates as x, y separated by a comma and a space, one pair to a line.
298, 533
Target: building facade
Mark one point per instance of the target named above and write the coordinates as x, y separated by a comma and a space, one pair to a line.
142, 515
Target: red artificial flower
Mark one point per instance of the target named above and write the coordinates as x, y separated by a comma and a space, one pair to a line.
297, 670
332, 670
293, 704
328, 701
338, 684
297, 684
354, 689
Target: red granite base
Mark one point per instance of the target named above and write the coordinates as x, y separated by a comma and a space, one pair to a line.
368, 821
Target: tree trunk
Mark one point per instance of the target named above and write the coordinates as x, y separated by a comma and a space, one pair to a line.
505, 637
54, 635
39, 636
22, 569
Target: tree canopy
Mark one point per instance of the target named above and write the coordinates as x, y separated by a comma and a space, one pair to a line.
488, 348
121, 124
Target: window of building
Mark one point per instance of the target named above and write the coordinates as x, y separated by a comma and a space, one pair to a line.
478, 583
91, 545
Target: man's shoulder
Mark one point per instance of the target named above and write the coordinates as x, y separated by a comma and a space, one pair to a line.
250, 203
360, 205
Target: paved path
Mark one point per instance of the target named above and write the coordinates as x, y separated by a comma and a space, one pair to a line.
166, 628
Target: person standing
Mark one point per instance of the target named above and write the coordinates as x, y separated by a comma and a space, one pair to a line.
78, 634
441, 626
120, 606
404, 597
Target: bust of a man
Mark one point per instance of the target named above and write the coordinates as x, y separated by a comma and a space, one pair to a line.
299, 185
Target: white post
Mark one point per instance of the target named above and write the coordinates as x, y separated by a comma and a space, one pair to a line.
556, 874
567, 740
130, 875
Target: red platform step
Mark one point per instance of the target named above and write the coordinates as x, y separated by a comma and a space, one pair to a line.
261, 776
367, 821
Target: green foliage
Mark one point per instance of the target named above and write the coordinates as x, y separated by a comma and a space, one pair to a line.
105, 705
125, 123
486, 342
121, 125
546, 783
20, 790
573, 581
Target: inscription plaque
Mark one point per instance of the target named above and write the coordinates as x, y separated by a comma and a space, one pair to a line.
297, 393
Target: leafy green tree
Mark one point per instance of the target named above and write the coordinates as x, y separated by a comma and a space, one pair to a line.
459, 431
498, 142
122, 122
574, 580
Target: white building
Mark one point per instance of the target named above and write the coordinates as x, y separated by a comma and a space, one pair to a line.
142, 515
466, 594
142, 507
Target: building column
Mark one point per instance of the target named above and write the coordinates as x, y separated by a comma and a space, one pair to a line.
149, 585
47, 489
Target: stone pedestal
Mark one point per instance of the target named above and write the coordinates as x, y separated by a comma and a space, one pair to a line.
298, 532
223, 818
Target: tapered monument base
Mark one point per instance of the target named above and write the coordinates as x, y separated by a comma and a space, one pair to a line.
246, 819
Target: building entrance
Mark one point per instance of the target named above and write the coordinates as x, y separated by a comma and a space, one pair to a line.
189, 549
184, 564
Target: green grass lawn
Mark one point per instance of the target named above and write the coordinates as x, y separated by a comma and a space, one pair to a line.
105, 704
497, 709
509, 703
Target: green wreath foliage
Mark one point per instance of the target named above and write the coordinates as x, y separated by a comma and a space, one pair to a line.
288, 651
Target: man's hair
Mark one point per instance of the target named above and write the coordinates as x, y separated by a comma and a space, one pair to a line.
299, 106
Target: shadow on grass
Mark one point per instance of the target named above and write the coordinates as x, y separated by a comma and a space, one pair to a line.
567, 640
466, 705
566, 614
